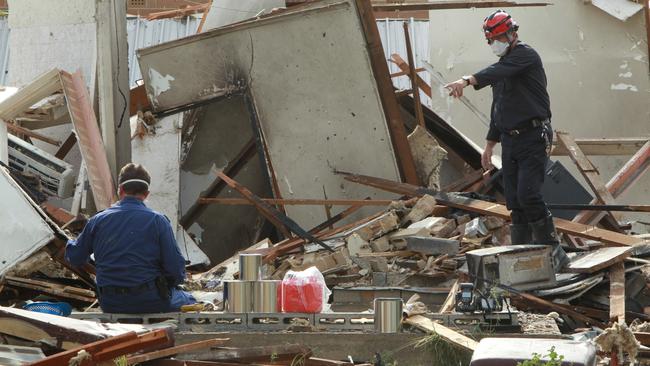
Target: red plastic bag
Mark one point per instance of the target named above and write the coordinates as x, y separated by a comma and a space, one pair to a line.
304, 291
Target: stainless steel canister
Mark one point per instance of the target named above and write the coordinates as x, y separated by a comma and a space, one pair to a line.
250, 267
265, 296
238, 296
388, 315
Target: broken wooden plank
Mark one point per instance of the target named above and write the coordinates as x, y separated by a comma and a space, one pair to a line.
42, 87
90, 139
492, 209
385, 87
560, 308
252, 354
452, 4
621, 181
175, 350
17, 130
297, 201
138, 100
598, 259
617, 292
59, 291
419, 117
234, 166
406, 69
588, 171
603, 146
449, 335
67, 145
179, 13
450, 302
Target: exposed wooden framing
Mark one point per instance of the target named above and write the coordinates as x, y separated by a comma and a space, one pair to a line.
263, 149
67, 145
603, 146
208, 343
90, 140
617, 292
450, 301
385, 87
177, 13
235, 165
430, 326
546, 305
419, 117
444, 5
204, 17
621, 181
493, 209
588, 171
17, 130
406, 69
265, 209
296, 201
405, 73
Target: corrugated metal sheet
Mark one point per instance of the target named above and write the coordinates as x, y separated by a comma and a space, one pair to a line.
143, 33
392, 38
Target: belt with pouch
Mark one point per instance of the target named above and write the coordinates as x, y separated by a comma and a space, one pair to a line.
116, 290
527, 126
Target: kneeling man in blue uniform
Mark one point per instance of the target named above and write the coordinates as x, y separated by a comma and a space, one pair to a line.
138, 263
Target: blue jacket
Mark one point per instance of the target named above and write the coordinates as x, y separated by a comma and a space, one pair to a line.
132, 245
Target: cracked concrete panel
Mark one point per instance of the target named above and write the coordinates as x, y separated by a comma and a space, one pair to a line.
596, 65
220, 133
48, 12
310, 75
226, 12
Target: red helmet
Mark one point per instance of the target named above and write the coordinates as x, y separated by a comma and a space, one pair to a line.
498, 23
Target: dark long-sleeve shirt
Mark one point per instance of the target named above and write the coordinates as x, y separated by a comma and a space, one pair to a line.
519, 91
132, 245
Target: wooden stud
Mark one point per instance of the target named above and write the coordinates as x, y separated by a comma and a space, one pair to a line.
617, 292
419, 117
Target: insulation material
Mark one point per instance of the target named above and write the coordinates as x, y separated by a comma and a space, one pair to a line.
315, 108
159, 152
619, 338
428, 157
24, 231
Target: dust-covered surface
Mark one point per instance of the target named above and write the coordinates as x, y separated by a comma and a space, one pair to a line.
538, 324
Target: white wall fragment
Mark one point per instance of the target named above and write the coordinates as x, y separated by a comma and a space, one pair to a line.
622, 86
621, 9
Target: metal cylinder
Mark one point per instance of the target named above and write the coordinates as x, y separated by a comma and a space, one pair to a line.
250, 267
388, 315
265, 296
238, 296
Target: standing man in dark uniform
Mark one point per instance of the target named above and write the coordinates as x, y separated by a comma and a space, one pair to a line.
137, 259
521, 121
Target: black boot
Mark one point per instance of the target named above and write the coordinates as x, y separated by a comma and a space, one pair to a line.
544, 233
520, 234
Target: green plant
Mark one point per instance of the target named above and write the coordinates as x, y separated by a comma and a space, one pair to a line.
274, 356
299, 360
554, 359
444, 353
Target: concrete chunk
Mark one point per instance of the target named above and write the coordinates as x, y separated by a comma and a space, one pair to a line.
429, 223
444, 230
379, 226
380, 244
357, 245
432, 246
423, 208
398, 239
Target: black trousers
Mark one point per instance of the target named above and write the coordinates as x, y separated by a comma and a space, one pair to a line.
524, 158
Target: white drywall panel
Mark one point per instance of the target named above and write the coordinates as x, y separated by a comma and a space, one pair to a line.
314, 89
596, 65
224, 12
5, 92
159, 153
23, 230
48, 12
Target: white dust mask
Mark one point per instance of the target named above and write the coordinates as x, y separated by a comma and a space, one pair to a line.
499, 48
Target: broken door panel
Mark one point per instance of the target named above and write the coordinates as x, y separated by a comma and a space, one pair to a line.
24, 231
317, 100
220, 132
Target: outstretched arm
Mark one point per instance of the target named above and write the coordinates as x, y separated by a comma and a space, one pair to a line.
173, 262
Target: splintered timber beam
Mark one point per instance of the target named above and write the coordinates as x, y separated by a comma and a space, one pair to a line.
492, 209
23, 131
419, 116
234, 166
280, 220
406, 70
429, 326
617, 292
297, 201
446, 5
602, 146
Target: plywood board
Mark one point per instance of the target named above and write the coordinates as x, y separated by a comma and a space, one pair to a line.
598, 259
318, 111
23, 230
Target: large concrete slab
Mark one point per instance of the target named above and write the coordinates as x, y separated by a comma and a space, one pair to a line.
310, 74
